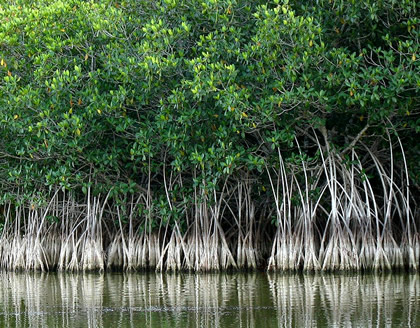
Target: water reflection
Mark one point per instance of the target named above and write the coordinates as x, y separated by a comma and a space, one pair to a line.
208, 300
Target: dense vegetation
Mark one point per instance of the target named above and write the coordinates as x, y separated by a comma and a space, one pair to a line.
211, 134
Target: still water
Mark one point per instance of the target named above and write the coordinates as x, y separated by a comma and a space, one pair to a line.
208, 300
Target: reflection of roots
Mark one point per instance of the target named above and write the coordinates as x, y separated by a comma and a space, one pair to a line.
190, 300
342, 300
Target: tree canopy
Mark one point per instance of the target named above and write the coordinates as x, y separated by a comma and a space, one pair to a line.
104, 90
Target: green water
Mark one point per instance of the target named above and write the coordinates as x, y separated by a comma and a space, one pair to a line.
208, 300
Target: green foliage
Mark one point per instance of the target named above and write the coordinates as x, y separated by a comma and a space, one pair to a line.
108, 93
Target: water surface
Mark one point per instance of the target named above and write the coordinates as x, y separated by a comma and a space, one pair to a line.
208, 300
